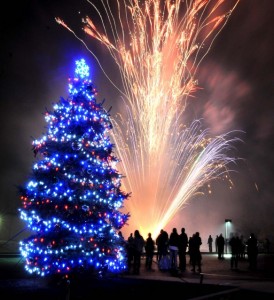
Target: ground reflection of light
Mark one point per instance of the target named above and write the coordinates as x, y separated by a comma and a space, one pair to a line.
158, 46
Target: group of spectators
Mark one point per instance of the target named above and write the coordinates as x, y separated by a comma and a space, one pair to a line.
171, 250
238, 248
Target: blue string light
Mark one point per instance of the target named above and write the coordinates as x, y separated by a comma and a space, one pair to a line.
73, 199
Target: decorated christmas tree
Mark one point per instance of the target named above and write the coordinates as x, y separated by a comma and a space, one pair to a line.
73, 199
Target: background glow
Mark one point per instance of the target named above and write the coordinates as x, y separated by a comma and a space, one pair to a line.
236, 80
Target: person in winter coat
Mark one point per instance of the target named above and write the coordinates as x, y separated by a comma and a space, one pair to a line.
138, 246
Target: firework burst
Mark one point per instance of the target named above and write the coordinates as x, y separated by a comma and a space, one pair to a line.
158, 46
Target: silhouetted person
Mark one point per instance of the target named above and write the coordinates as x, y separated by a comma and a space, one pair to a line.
216, 243
173, 248
210, 242
243, 248
162, 244
183, 243
267, 245
190, 248
196, 256
138, 245
221, 246
149, 248
235, 247
252, 251
130, 251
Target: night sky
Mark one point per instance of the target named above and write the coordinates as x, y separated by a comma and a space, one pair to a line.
237, 80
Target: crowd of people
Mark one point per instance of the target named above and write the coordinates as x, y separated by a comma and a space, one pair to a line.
171, 250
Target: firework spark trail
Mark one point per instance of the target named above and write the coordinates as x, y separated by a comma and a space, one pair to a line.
158, 46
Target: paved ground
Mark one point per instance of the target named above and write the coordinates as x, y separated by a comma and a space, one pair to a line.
217, 281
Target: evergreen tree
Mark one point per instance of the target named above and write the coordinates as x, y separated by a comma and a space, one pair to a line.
73, 199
